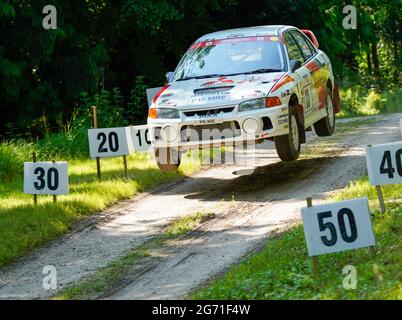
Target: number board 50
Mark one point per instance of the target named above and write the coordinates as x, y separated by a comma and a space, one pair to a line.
109, 142
338, 226
384, 163
46, 178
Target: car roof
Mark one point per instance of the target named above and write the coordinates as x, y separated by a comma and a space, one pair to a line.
245, 32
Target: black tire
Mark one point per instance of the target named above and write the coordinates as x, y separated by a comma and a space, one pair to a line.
167, 159
326, 126
288, 146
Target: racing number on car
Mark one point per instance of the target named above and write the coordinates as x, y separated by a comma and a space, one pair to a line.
111, 140
387, 165
49, 178
308, 98
343, 215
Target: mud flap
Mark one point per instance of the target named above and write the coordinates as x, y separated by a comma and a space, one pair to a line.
336, 99
300, 115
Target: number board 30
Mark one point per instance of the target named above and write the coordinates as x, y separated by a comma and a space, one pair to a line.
338, 226
384, 163
109, 142
46, 178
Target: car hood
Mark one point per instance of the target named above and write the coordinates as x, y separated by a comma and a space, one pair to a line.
220, 91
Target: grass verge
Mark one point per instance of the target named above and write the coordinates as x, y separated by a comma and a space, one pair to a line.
114, 274
282, 270
24, 226
358, 101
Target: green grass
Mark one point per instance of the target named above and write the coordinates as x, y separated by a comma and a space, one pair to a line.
357, 101
114, 274
282, 270
24, 226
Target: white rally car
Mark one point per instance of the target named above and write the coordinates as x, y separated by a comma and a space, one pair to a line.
268, 82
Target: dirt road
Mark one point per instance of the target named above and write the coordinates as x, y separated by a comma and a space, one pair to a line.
248, 209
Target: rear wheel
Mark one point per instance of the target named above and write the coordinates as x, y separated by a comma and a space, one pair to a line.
288, 146
167, 159
326, 126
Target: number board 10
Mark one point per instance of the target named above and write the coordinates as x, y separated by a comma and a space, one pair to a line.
338, 226
384, 163
109, 142
141, 137
46, 178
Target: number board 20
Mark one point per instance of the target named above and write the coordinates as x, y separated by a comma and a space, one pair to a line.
46, 178
338, 226
109, 142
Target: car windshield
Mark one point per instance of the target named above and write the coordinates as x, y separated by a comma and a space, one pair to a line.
231, 57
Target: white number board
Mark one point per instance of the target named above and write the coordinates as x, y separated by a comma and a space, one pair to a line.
140, 136
46, 178
400, 125
384, 163
109, 142
338, 226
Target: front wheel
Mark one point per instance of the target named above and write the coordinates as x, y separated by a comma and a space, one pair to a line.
167, 159
326, 126
288, 146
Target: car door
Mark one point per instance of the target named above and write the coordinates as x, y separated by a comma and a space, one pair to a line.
302, 75
313, 67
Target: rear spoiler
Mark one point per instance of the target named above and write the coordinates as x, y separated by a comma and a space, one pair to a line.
311, 36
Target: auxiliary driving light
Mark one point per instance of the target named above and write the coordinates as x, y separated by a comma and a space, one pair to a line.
168, 133
251, 125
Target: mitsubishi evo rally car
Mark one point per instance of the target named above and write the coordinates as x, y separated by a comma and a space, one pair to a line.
268, 82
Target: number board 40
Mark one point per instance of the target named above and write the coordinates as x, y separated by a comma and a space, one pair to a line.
109, 142
338, 226
384, 163
46, 178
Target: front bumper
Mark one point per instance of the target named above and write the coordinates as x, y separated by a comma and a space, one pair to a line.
219, 126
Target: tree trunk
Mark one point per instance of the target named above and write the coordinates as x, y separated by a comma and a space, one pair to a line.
376, 64
396, 62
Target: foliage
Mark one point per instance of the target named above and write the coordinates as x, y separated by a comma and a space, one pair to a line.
12, 157
359, 101
99, 46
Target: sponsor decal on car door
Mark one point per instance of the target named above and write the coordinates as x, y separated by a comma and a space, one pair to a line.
319, 75
302, 75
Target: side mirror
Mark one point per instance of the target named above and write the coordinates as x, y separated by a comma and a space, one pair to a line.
294, 65
169, 76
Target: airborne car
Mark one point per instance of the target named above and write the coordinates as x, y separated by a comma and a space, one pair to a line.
268, 82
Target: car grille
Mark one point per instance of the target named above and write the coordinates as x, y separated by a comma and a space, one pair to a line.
208, 111
210, 132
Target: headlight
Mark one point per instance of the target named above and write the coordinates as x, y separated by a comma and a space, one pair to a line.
252, 104
163, 113
260, 103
